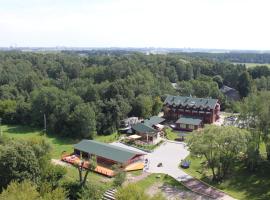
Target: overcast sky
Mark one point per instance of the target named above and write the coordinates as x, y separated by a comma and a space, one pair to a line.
222, 24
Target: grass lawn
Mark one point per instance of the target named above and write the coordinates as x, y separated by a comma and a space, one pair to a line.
170, 134
23, 132
58, 144
107, 138
135, 173
72, 174
161, 178
242, 184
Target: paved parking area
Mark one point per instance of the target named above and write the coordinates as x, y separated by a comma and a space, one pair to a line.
170, 155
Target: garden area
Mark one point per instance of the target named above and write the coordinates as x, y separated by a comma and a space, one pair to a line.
176, 135
141, 146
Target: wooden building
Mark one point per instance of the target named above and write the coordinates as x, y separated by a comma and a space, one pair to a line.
107, 156
150, 130
206, 109
188, 124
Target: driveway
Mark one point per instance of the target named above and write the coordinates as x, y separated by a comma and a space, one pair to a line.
170, 155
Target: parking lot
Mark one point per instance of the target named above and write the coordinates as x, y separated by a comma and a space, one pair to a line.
169, 154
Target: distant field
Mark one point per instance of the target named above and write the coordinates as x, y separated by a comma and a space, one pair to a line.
249, 65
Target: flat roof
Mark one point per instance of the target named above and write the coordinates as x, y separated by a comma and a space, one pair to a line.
189, 120
108, 151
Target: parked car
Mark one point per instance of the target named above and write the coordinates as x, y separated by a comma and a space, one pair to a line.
173, 126
185, 164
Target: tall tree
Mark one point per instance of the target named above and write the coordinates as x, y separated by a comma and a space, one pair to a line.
220, 146
244, 84
90, 166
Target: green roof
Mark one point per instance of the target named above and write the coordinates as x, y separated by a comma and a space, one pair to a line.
154, 120
104, 150
189, 120
144, 128
191, 102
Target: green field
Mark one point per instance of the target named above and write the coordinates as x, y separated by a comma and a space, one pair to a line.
58, 144
23, 132
250, 65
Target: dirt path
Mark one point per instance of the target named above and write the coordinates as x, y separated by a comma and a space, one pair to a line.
60, 162
172, 193
207, 190
134, 179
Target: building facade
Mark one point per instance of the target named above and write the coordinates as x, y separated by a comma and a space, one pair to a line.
206, 109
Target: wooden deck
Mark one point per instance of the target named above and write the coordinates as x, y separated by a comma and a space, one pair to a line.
75, 160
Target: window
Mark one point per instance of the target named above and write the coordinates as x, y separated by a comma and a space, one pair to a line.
183, 125
191, 126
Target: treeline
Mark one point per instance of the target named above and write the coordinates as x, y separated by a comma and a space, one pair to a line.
80, 96
235, 57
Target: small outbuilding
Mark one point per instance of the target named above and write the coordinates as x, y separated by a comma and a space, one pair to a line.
231, 93
189, 123
150, 130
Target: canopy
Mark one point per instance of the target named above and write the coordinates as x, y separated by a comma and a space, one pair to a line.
159, 126
134, 137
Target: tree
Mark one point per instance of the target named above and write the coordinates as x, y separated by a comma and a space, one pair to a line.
18, 162
157, 106
219, 80
255, 116
91, 191
143, 106
92, 164
83, 121
8, 110
244, 84
25, 190
120, 176
220, 146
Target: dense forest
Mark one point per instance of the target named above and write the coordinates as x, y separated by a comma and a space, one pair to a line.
81, 95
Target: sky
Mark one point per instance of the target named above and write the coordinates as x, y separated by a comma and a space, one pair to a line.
215, 24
